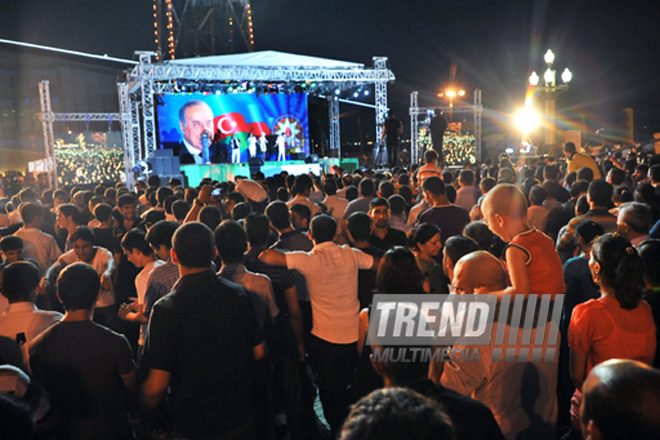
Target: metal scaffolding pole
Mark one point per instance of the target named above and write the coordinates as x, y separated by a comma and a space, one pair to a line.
380, 85
126, 133
147, 95
335, 136
414, 123
46, 117
477, 123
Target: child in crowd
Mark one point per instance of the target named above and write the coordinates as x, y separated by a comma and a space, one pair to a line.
537, 214
532, 261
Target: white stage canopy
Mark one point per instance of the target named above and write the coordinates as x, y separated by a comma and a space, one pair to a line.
268, 59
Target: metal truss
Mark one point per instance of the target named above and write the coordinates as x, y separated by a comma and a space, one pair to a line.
414, 123
333, 114
147, 97
477, 123
381, 70
47, 118
148, 79
170, 72
415, 111
86, 117
126, 133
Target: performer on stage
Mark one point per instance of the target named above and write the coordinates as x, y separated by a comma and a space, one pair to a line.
252, 145
196, 122
281, 147
263, 145
391, 131
235, 149
438, 127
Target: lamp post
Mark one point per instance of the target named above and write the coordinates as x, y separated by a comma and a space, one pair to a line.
550, 92
451, 94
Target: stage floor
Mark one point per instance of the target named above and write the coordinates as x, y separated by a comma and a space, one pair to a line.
223, 172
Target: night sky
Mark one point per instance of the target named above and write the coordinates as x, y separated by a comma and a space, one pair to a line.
612, 48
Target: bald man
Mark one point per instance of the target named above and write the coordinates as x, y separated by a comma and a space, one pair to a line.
521, 395
621, 400
478, 269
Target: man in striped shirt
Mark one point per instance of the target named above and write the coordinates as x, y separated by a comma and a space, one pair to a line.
429, 169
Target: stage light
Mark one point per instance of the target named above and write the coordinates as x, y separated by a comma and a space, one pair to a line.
337, 92
355, 94
366, 92
527, 120
509, 151
461, 93
566, 76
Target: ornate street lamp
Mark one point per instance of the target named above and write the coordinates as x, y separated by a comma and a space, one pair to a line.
550, 90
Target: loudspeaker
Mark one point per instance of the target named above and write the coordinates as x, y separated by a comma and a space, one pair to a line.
256, 161
312, 158
298, 156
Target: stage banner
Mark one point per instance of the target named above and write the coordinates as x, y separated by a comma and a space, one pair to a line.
236, 117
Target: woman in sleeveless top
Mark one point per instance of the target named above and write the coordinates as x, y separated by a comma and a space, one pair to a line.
619, 324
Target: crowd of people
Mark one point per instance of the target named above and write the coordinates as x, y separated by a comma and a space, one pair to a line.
80, 166
226, 310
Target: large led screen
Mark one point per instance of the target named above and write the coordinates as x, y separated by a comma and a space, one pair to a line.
237, 115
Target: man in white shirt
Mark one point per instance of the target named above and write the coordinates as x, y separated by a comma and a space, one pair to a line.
336, 205
281, 147
101, 259
331, 272
254, 193
263, 145
138, 252
252, 145
300, 191
22, 321
39, 246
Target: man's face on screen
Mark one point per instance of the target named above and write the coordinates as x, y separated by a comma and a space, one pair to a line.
199, 119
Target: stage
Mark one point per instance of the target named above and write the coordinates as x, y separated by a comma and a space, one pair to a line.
223, 172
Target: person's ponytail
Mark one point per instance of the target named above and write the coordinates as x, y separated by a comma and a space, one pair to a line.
621, 268
629, 279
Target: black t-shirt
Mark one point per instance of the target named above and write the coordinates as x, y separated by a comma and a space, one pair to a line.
392, 126
367, 279
203, 333
472, 419
394, 237
105, 237
80, 364
451, 219
438, 126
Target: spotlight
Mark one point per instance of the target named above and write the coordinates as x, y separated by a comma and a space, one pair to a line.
527, 120
337, 92
366, 92
355, 94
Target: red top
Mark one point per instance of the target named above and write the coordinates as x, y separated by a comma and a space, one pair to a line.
544, 269
602, 330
